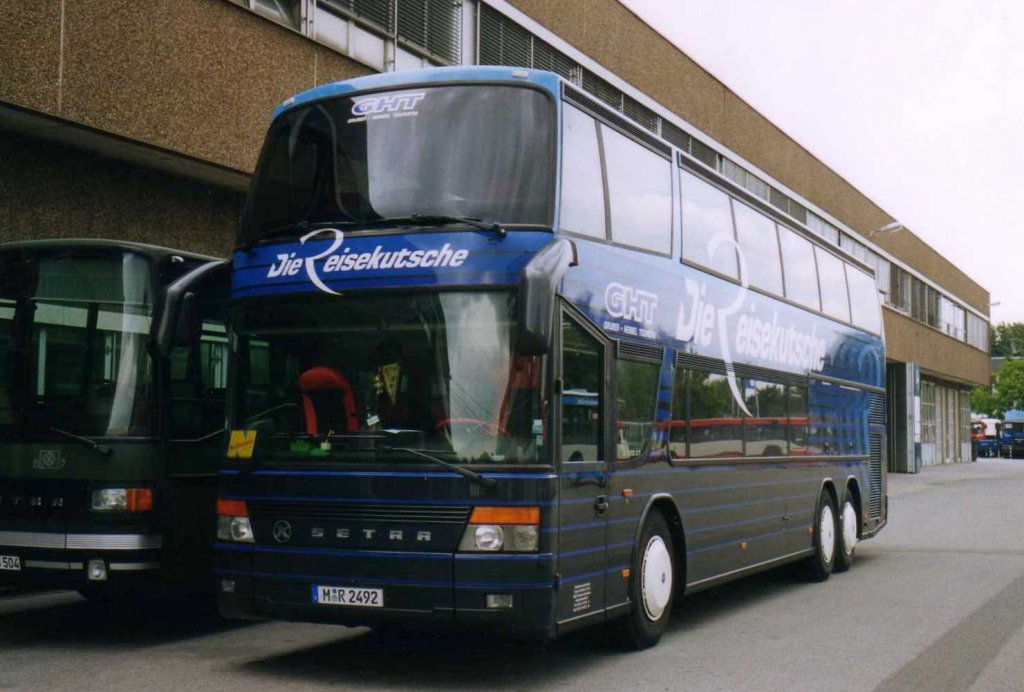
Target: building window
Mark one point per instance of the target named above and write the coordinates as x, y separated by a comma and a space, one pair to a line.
286, 12
928, 434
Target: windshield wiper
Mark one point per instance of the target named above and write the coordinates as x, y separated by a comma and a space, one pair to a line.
466, 473
500, 230
97, 446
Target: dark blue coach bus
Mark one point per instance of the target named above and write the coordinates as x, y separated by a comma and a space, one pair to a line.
502, 358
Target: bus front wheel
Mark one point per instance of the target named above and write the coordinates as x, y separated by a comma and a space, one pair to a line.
820, 565
652, 585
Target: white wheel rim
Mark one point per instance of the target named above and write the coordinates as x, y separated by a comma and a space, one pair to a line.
656, 577
849, 528
827, 533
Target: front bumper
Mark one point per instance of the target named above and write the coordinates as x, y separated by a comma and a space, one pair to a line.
424, 590
54, 559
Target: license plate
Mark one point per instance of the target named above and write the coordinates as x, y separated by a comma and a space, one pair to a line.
348, 596
10, 562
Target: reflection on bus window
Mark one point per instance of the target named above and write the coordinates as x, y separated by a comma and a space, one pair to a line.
765, 433
581, 398
636, 399
716, 423
797, 402
677, 422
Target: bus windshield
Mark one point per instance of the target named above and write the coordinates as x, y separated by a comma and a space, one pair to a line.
73, 335
359, 378
483, 152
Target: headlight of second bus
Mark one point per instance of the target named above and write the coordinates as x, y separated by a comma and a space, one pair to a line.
233, 521
502, 529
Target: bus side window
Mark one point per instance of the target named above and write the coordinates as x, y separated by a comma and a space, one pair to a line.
677, 437
581, 394
796, 402
582, 204
706, 214
716, 423
636, 399
640, 193
759, 241
764, 434
799, 269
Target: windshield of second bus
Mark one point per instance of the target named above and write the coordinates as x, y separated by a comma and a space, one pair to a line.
484, 152
73, 333
359, 378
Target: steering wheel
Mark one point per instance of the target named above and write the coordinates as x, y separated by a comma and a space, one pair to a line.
476, 425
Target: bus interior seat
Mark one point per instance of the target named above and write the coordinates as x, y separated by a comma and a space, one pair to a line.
328, 402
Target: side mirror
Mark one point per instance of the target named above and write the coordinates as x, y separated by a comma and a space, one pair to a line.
189, 325
179, 316
540, 279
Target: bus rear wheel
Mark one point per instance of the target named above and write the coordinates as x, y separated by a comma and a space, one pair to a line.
847, 540
652, 585
821, 564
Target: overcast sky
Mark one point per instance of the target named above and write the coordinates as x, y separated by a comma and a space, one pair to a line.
918, 103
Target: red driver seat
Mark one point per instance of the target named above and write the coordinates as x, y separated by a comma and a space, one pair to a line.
327, 401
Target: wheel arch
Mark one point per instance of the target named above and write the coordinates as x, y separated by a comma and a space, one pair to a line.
666, 505
853, 489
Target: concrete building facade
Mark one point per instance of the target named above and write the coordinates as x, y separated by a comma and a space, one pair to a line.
143, 121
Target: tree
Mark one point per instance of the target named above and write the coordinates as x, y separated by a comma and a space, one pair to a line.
1008, 339
985, 401
1009, 385
1006, 392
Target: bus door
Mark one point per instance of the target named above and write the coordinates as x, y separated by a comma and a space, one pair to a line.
583, 472
195, 384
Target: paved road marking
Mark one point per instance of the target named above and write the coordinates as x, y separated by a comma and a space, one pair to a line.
957, 658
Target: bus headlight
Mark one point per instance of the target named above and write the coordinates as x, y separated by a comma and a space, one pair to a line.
488, 537
233, 522
122, 499
502, 529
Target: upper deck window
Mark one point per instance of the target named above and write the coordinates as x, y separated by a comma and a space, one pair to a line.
483, 152
867, 312
834, 297
708, 238
582, 199
799, 269
760, 246
640, 190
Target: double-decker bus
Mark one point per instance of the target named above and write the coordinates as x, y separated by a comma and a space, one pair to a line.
503, 359
113, 374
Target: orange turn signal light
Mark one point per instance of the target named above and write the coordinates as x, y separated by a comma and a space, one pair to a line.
505, 515
139, 499
232, 508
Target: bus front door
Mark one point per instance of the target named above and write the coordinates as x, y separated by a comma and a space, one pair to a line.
583, 474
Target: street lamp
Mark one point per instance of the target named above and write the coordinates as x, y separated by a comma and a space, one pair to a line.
887, 228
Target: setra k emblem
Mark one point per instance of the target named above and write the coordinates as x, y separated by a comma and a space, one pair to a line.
282, 531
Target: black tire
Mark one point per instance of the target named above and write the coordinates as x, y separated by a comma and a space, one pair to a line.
651, 592
846, 538
821, 564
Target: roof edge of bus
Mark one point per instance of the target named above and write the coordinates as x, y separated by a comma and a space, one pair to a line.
153, 251
384, 80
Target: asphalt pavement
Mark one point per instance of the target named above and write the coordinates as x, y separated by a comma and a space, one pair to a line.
935, 602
